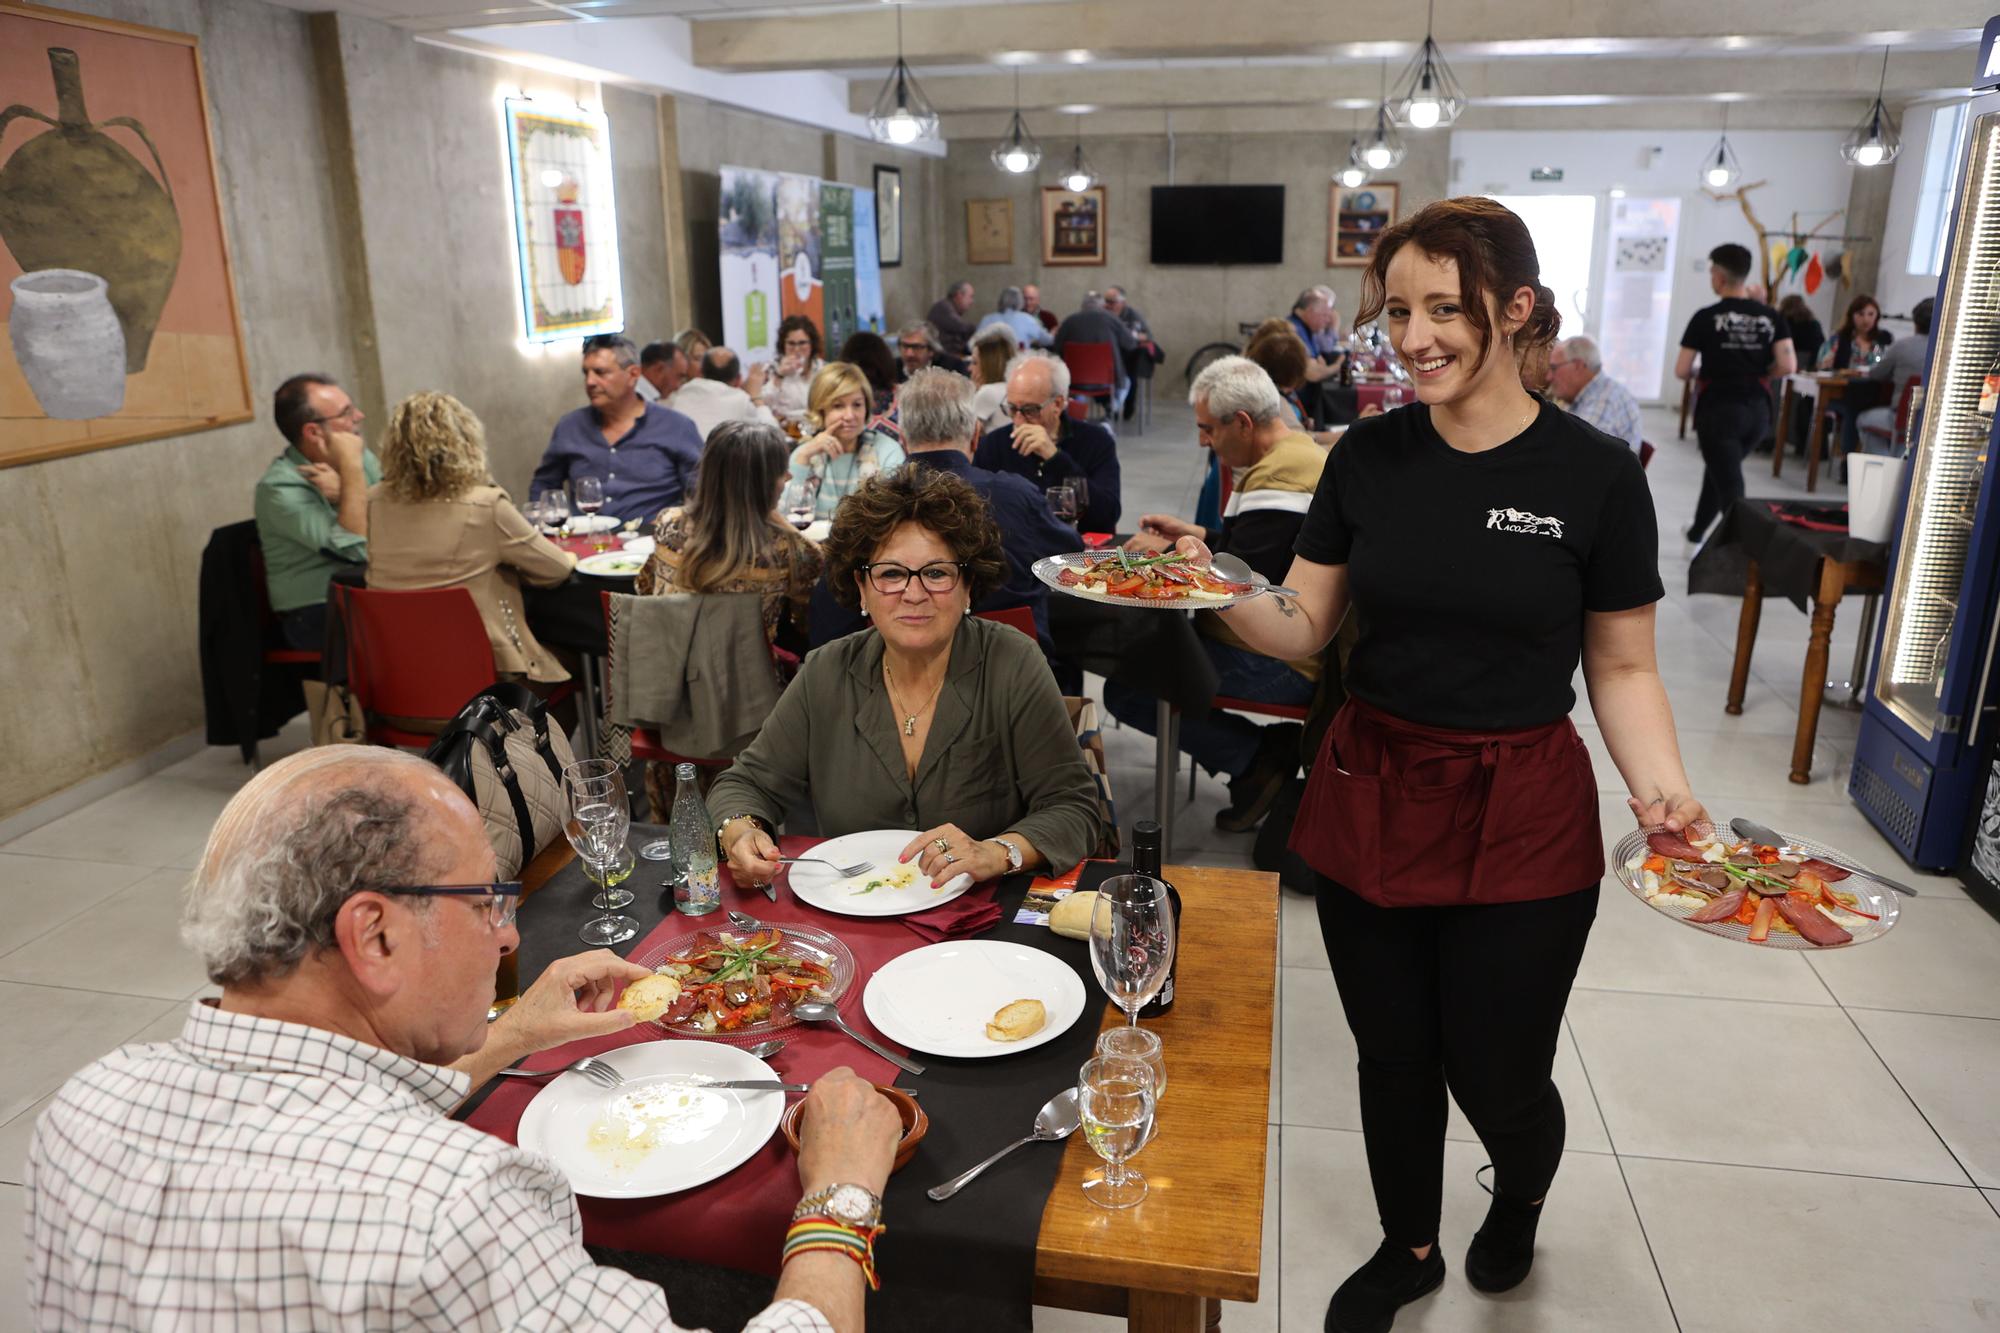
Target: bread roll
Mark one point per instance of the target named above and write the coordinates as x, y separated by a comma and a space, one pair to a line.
1071, 916
1023, 1018
651, 996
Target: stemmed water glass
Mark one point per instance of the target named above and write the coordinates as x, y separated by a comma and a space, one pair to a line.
600, 818
1115, 1099
1131, 940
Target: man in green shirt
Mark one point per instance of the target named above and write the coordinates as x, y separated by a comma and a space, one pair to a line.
312, 502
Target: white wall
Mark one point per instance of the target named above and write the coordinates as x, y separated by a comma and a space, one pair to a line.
1899, 288
1802, 170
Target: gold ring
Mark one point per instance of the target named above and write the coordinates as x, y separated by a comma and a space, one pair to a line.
942, 844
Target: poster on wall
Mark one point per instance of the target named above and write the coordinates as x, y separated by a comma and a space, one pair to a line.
868, 313
749, 226
1073, 225
565, 221
115, 284
1635, 317
799, 291
836, 257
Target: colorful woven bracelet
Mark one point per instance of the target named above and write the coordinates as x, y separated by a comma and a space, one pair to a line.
824, 1233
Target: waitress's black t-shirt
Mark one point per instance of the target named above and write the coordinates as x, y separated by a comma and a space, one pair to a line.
1471, 572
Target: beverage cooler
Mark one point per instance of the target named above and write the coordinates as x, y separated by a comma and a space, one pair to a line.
1927, 733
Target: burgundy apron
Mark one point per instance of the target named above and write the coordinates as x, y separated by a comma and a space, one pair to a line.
1414, 816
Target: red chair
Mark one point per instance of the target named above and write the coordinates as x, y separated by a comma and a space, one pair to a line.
1020, 617
1093, 374
415, 655
1646, 452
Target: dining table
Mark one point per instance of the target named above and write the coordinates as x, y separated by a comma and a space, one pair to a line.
1825, 390
1024, 1234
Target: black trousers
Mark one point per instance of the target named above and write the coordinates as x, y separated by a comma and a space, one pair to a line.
1466, 998
1727, 431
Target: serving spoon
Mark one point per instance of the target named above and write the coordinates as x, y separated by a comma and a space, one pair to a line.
1237, 570
819, 1011
1058, 1119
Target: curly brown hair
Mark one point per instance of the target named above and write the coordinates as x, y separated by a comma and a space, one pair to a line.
1495, 257
937, 501
434, 449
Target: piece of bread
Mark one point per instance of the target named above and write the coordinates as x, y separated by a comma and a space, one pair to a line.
1071, 916
1023, 1018
651, 996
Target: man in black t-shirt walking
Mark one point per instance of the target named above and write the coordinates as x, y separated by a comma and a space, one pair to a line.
1741, 343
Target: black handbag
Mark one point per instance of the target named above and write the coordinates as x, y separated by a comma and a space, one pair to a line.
501, 751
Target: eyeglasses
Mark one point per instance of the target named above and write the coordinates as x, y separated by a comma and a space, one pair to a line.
915, 347
502, 899
1027, 409
798, 344
348, 413
939, 576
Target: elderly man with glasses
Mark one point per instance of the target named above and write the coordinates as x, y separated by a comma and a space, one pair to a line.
919, 348
1576, 376
291, 1161
1046, 445
312, 502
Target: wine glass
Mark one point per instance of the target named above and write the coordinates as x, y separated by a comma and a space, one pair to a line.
590, 499
600, 818
1062, 503
1131, 940
1115, 1099
555, 511
798, 500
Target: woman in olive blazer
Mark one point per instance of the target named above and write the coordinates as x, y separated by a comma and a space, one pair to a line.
929, 719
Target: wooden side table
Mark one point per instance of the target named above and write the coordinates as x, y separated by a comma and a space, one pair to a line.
1836, 579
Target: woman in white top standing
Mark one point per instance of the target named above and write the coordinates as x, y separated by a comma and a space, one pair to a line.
992, 348
789, 386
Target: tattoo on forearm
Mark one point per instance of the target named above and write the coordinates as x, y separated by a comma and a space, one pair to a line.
1285, 606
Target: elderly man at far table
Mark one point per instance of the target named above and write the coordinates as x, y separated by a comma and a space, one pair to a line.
1241, 416
1027, 330
1049, 447
1031, 303
1576, 373
645, 454
918, 347
1092, 323
291, 1161
949, 318
722, 393
663, 368
311, 503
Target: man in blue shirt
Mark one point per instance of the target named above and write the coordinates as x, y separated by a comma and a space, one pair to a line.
1028, 331
938, 430
1045, 445
647, 455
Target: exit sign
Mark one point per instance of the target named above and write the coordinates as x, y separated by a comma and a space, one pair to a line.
1546, 174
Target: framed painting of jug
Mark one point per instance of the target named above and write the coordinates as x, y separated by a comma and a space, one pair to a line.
115, 287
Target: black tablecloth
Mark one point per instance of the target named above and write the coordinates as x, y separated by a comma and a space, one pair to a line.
571, 614
1787, 555
967, 1263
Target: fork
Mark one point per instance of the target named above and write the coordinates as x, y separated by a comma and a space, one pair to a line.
845, 872
598, 1071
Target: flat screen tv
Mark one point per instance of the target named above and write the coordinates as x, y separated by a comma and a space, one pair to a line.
1218, 224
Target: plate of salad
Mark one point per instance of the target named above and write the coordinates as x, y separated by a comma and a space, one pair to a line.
740, 985
1790, 896
1170, 581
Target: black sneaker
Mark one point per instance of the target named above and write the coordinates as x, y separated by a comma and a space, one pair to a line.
1503, 1249
1367, 1302
1275, 763
1694, 535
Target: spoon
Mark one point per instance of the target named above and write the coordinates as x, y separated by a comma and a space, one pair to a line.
764, 1050
1770, 837
1238, 570
819, 1011
744, 921
1058, 1119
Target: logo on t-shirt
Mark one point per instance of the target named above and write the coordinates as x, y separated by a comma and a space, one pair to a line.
1520, 520
1736, 331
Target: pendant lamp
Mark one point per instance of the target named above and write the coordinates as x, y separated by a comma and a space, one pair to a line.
1079, 176
1018, 153
1431, 97
1719, 168
902, 114
1354, 174
1383, 150
1874, 140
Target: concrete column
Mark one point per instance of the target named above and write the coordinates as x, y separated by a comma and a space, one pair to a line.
680, 264
349, 232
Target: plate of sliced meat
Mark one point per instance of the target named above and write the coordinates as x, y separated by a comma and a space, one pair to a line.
1167, 582
1799, 895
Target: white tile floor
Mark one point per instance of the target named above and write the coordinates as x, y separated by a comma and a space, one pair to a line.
1839, 1113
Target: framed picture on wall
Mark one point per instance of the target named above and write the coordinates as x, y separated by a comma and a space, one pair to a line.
889, 215
989, 231
115, 284
565, 221
1357, 216
1073, 225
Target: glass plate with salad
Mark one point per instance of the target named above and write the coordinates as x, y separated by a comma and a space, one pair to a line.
1169, 581
740, 985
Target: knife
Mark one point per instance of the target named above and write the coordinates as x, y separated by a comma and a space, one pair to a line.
1751, 829
771, 891
741, 1085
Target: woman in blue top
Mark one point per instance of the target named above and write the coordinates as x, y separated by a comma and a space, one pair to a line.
842, 453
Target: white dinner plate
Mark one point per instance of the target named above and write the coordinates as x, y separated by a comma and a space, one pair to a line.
899, 889
939, 999
582, 525
612, 564
656, 1135
640, 546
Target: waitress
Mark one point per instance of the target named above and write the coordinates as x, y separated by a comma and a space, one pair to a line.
1487, 541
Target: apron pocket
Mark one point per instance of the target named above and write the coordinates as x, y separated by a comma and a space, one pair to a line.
1339, 826
1543, 835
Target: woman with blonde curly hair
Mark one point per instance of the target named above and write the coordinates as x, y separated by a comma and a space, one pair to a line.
842, 452
436, 520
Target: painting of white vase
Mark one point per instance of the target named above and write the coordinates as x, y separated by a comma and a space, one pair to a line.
68, 342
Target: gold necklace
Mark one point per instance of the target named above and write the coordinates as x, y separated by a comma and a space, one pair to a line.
910, 720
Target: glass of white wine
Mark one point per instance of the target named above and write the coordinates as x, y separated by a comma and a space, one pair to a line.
1115, 1097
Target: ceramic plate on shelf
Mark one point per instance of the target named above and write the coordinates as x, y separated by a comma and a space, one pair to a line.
662, 1132
888, 888
939, 999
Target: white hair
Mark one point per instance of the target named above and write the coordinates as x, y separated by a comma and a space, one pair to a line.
935, 408
921, 328
300, 839
998, 333
1058, 369
1010, 298
1583, 351
1233, 384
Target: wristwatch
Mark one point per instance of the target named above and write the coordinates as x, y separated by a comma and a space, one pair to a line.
849, 1205
1013, 853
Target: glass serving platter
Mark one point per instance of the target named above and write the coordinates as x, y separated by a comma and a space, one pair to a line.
1049, 569
802, 942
